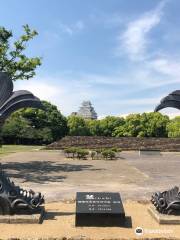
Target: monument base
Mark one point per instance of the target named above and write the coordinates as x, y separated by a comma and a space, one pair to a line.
163, 218
99, 209
36, 218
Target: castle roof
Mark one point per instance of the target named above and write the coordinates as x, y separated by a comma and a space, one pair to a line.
87, 111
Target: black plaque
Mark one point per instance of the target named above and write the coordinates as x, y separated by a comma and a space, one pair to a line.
99, 209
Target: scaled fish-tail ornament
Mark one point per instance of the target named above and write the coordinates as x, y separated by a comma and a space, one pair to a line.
14, 199
172, 100
167, 202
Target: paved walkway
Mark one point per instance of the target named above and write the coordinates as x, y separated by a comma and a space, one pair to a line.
134, 176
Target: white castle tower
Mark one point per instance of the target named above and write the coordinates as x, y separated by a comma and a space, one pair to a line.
87, 111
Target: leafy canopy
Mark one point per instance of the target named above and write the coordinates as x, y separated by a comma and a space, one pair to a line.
77, 126
174, 127
143, 125
30, 125
12, 59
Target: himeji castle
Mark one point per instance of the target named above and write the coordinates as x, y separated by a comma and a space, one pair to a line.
86, 111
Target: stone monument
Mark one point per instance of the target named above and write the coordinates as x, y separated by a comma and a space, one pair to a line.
13, 199
99, 209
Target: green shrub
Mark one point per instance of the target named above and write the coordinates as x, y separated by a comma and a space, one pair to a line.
97, 153
70, 152
76, 152
82, 153
93, 154
102, 150
98, 150
115, 149
108, 154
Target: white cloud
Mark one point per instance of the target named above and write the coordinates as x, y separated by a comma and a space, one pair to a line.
171, 112
144, 72
139, 101
40, 89
70, 29
166, 66
149, 69
67, 96
134, 40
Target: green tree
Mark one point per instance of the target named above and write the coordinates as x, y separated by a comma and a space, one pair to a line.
173, 127
108, 125
77, 126
16, 128
130, 128
94, 127
153, 124
143, 125
50, 118
35, 125
12, 59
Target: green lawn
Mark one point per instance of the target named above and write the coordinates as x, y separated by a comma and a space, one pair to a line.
7, 149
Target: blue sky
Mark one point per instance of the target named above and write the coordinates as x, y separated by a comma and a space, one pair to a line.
122, 55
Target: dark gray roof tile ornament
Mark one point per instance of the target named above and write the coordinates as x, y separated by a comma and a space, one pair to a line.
11, 101
172, 100
168, 202
13, 199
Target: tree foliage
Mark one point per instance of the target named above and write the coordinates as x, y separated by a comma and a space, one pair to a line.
35, 125
94, 127
77, 126
130, 128
152, 124
173, 127
30, 126
104, 127
143, 125
12, 59
108, 125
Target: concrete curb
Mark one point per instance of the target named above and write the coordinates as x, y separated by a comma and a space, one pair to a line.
163, 218
36, 218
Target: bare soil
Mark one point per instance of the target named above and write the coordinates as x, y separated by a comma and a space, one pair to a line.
58, 178
60, 223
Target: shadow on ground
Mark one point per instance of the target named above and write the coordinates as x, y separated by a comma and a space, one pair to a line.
50, 215
43, 171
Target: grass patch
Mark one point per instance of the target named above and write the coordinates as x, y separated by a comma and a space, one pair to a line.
8, 149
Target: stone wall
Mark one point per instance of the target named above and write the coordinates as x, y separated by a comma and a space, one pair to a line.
125, 143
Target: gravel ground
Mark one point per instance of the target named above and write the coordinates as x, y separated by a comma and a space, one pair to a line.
59, 223
58, 178
134, 176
